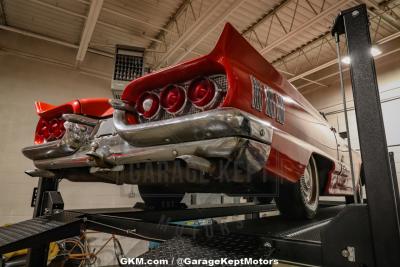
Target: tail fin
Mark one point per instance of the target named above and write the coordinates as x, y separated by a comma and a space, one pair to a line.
42, 107
233, 46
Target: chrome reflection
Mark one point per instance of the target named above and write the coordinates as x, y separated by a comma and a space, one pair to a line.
223, 122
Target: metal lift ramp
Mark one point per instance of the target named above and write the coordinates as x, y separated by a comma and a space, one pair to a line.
41, 229
242, 238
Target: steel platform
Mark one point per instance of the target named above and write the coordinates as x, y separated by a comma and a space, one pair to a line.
263, 237
260, 238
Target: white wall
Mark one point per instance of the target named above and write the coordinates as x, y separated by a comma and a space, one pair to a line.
22, 82
329, 101
23, 79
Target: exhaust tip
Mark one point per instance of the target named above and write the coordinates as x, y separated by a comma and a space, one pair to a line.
197, 163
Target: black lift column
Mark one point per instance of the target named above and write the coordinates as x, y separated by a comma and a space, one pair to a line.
38, 254
382, 205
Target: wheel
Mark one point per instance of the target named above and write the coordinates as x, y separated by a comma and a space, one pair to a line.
300, 200
160, 197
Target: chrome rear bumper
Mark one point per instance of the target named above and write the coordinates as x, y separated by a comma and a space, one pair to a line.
249, 153
48, 150
211, 124
223, 133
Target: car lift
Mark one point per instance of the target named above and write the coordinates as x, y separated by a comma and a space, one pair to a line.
340, 235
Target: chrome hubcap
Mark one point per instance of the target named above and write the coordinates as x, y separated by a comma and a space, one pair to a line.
307, 186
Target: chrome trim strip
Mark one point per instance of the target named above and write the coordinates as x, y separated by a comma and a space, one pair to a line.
217, 123
53, 149
75, 118
121, 105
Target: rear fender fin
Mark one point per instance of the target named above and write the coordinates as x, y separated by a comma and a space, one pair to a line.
92, 107
47, 111
42, 107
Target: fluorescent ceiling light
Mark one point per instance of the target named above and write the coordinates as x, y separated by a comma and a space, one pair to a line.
346, 60
375, 51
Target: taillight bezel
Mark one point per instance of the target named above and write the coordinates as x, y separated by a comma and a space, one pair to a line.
211, 101
219, 82
40, 138
140, 102
175, 110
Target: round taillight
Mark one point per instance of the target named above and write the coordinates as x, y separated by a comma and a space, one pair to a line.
148, 105
44, 130
49, 130
201, 92
39, 139
130, 118
173, 98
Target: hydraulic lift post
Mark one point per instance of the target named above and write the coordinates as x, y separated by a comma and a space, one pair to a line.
379, 184
38, 254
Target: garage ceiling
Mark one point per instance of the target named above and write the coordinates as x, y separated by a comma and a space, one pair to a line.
291, 34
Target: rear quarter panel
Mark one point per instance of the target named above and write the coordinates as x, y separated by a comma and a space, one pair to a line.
304, 130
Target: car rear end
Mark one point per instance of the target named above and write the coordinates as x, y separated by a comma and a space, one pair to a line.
199, 113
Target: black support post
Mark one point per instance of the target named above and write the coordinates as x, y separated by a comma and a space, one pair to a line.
395, 183
38, 254
381, 195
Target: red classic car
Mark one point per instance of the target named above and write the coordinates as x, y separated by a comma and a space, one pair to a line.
226, 122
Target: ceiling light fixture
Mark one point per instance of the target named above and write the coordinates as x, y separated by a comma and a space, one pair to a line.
346, 60
375, 51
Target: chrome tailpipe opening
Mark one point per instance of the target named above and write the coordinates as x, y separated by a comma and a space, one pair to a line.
197, 163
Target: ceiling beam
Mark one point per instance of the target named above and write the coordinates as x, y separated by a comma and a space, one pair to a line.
53, 61
90, 24
264, 17
309, 72
325, 36
52, 40
302, 47
126, 16
344, 70
334, 61
99, 22
287, 37
394, 21
161, 34
190, 31
216, 23
308, 80
223, 17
